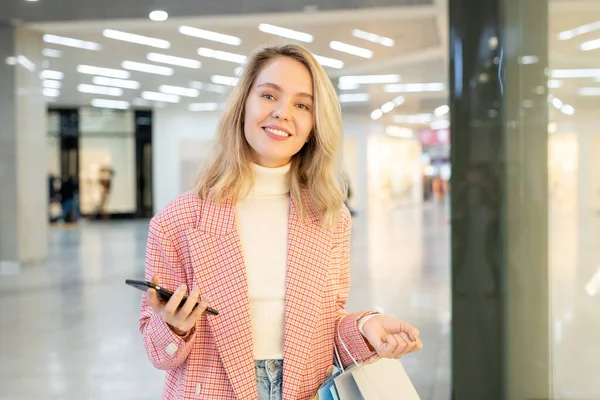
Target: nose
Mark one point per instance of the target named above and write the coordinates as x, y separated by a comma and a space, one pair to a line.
282, 111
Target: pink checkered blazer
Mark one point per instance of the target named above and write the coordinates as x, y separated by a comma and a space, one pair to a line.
194, 241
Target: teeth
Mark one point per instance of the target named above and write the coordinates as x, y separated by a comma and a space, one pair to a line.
277, 132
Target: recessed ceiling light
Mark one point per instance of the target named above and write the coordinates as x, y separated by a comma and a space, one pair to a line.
348, 48
70, 42
171, 60
148, 68
413, 119
354, 97
554, 84
104, 90
180, 91
575, 73
203, 106
441, 110
52, 53
159, 15
590, 45
387, 107
286, 33
414, 87
137, 39
221, 55
49, 74
111, 73
224, 80
104, 103
366, 79
441, 124
375, 115
372, 37
50, 84
49, 92
580, 30
589, 91
329, 62
120, 83
568, 109
348, 86
209, 35
211, 87
154, 96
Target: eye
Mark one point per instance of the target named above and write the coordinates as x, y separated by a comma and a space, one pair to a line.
268, 96
303, 106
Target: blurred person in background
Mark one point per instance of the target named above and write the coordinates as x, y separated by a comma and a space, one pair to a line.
105, 183
265, 235
69, 191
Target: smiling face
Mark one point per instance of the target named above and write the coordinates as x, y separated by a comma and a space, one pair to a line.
279, 112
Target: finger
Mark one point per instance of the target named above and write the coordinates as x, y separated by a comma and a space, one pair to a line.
410, 344
197, 313
411, 331
189, 305
175, 300
388, 346
156, 279
401, 348
418, 345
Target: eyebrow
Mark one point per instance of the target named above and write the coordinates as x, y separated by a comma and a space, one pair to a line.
280, 89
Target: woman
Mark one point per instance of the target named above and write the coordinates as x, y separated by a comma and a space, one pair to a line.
265, 235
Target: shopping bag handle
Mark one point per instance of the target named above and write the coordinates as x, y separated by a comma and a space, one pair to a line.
339, 360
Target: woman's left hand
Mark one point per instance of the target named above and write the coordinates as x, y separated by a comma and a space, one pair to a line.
390, 337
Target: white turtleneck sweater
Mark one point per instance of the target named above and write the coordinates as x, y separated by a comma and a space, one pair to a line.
262, 223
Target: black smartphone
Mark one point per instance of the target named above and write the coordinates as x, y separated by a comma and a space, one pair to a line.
162, 293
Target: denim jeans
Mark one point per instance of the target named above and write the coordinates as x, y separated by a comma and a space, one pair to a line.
269, 379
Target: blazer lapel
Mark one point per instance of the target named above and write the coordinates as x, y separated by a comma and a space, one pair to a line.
309, 248
221, 273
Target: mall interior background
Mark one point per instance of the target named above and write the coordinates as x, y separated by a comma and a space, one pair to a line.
153, 129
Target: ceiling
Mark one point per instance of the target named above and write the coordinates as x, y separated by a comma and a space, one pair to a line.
77, 10
419, 54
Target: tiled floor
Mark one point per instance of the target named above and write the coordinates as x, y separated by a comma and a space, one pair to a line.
68, 328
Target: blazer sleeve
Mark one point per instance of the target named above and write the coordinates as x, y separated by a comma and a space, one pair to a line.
347, 323
165, 349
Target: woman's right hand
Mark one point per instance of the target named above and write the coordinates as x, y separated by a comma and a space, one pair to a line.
180, 320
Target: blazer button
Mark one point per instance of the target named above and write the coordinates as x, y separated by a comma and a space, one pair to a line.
198, 388
172, 349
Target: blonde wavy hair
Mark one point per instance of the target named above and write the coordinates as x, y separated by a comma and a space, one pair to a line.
315, 185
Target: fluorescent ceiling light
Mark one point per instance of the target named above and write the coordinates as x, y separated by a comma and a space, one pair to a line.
329, 62
413, 119
180, 91
222, 55
104, 90
286, 33
366, 79
441, 110
557, 103
103, 103
179, 61
224, 80
52, 53
441, 124
575, 73
111, 73
414, 87
554, 84
208, 35
49, 74
348, 48
154, 96
137, 39
568, 110
158, 16
529, 60
120, 83
348, 86
398, 101
589, 91
590, 45
141, 102
49, 92
375, 115
26, 63
387, 107
148, 68
50, 84
399, 132
580, 30
354, 97
208, 87
203, 106
70, 42
372, 37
